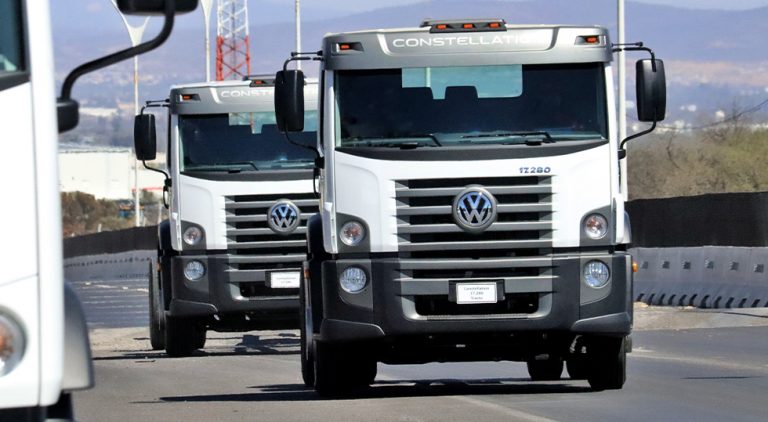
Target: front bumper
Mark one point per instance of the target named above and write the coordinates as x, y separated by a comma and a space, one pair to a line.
562, 303
223, 291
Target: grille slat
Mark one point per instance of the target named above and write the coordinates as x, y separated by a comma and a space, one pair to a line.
267, 204
452, 228
260, 232
260, 259
442, 264
495, 190
447, 209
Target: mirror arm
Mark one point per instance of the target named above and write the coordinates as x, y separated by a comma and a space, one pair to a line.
167, 176
69, 82
622, 151
298, 56
636, 46
155, 103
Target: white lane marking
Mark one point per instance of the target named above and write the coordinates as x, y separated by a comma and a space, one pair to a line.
512, 413
723, 364
506, 411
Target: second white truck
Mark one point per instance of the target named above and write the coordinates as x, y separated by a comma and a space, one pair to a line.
239, 197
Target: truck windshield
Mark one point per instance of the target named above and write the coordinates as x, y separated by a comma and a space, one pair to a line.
448, 106
243, 142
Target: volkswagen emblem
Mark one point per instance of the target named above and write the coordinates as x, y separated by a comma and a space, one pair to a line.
283, 217
474, 209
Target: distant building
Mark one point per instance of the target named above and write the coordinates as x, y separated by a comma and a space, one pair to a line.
104, 172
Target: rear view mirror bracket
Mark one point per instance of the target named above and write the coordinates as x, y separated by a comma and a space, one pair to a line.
656, 66
155, 104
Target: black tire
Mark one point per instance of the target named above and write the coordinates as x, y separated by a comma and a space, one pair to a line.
307, 342
343, 369
201, 337
156, 311
577, 362
182, 335
607, 363
546, 370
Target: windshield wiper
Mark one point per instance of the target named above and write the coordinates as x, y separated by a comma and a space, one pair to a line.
402, 142
547, 138
230, 167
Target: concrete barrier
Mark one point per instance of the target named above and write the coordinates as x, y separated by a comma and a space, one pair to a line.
704, 277
116, 266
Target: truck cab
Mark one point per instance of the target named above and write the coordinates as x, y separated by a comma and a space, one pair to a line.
471, 204
239, 196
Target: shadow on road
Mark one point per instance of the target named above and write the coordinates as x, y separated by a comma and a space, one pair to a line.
393, 389
249, 344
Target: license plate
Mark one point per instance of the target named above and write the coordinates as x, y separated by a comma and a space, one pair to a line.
476, 293
283, 280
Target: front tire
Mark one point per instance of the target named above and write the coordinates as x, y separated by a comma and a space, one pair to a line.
156, 311
342, 369
546, 370
182, 336
607, 363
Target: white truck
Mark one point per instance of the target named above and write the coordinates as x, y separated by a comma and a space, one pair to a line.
229, 256
44, 348
471, 204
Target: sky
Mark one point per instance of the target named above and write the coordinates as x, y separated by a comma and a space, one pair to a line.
357, 5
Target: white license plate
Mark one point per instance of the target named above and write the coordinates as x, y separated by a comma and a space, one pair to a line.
476, 293
284, 280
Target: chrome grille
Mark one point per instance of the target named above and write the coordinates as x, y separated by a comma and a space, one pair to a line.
515, 249
254, 249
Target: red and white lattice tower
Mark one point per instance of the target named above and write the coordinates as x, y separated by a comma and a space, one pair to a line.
233, 57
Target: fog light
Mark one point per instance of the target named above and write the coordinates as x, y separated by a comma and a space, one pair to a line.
194, 270
353, 280
596, 274
352, 233
596, 226
192, 236
11, 344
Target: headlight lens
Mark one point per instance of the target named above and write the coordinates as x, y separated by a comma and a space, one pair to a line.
194, 270
353, 280
596, 226
352, 233
11, 344
596, 274
192, 236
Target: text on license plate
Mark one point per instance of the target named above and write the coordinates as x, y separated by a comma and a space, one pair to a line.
284, 280
476, 293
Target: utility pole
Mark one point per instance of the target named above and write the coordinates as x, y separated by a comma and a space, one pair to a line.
298, 32
135, 32
206, 6
622, 96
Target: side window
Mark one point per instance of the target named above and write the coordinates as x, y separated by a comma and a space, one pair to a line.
13, 66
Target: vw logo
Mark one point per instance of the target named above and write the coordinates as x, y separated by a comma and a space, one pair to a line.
283, 217
474, 209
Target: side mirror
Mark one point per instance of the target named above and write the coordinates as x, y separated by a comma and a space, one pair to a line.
145, 137
154, 7
651, 90
289, 100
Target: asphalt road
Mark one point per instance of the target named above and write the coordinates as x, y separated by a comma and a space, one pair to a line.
701, 374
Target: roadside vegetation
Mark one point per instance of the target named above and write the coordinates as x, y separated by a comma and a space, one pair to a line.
728, 156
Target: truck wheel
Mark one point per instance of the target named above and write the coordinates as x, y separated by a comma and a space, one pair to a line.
200, 337
182, 336
546, 370
307, 342
607, 363
577, 363
342, 369
156, 311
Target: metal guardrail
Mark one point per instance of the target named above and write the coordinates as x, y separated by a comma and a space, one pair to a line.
704, 277
117, 266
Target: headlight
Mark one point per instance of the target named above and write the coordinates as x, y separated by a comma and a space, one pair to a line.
352, 233
192, 236
596, 274
596, 226
194, 270
353, 280
11, 344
